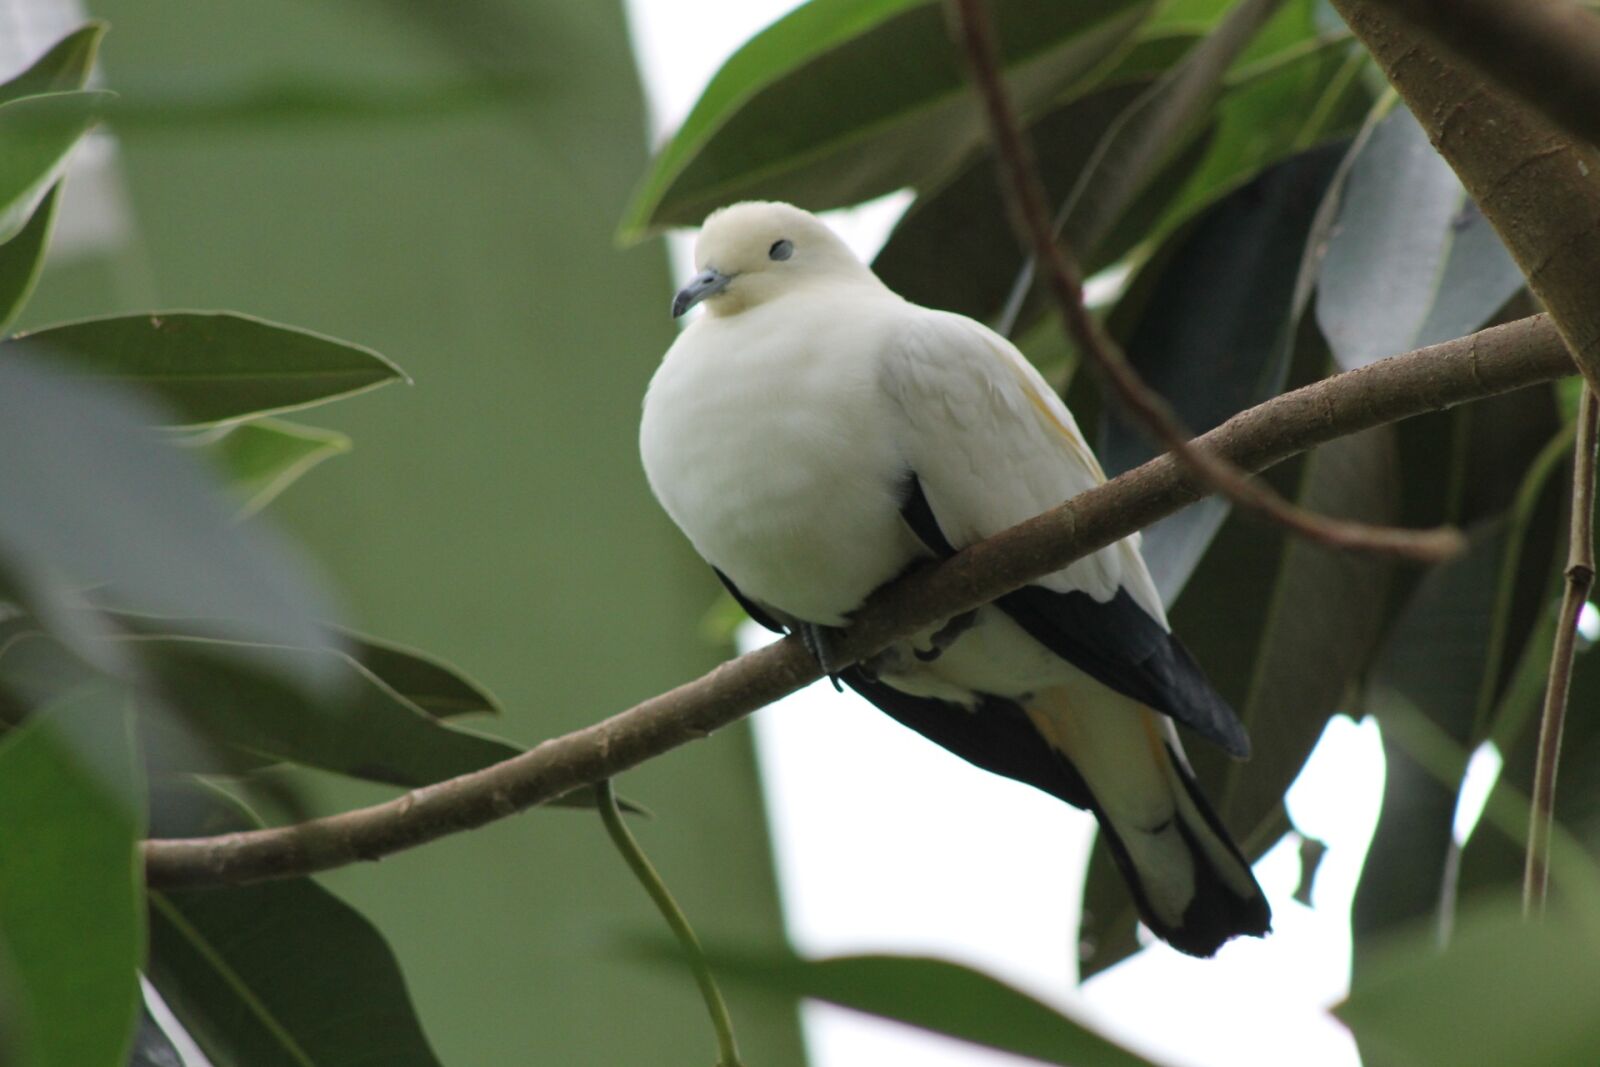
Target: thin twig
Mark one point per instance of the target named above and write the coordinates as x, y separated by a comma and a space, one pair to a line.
639, 863
1025, 199
1485, 364
1580, 579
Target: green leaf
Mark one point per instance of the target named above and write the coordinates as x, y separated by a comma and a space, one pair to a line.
1302, 97
1411, 261
1506, 991
1448, 657
282, 974
930, 994
64, 67
263, 457
22, 258
71, 929
843, 100
1286, 669
213, 366
234, 693
431, 684
1212, 329
37, 135
953, 248
152, 1047
92, 496
1174, 111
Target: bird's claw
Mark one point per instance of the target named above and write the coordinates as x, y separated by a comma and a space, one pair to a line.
819, 641
946, 636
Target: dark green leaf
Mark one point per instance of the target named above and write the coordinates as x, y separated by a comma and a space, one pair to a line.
1506, 991
263, 457
282, 973
842, 100
37, 134
932, 994
1448, 658
212, 366
1213, 329
1170, 114
1282, 105
63, 68
364, 728
431, 684
71, 931
1286, 669
953, 249
92, 496
152, 1047
1411, 261
22, 257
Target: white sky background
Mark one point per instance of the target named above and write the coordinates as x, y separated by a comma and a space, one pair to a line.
886, 843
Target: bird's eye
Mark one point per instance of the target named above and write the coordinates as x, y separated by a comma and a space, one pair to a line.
781, 249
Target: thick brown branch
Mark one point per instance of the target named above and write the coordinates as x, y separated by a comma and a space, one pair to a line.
1025, 198
1538, 187
1547, 52
1494, 361
1580, 580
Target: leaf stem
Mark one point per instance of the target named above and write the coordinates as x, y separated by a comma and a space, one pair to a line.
1580, 579
1025, 202
721, 1022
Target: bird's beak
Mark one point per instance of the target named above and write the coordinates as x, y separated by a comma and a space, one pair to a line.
708, 282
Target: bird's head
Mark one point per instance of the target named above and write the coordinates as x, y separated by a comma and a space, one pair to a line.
753, 252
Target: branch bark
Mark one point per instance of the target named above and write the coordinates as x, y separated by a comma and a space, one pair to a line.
1494, 361
1025, 201
1545, 52
1536, 186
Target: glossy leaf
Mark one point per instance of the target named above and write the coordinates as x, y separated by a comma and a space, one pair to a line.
1432, 664
953, 248
37, 135
841, 101
22, 257
213, 366
364, 729
281, 973
431, 684
954, 251
1172, 112
263, 457
64, 67
71, 928
1450, 654
139, 515
930, 994
1216, 332
152, 1047
1286, 670
1411, 260
1506, 991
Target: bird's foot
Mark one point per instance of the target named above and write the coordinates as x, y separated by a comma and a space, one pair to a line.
821, 642
946, 636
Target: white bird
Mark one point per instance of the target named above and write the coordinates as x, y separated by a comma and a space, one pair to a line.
815, 435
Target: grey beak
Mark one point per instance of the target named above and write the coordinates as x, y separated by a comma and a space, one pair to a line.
708, 282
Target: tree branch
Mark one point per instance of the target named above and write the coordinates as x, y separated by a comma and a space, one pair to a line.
1495, 361
1536, 186
1546, 52
1580, 579
1025, 200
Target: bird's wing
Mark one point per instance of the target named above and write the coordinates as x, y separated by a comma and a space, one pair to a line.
988, 445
